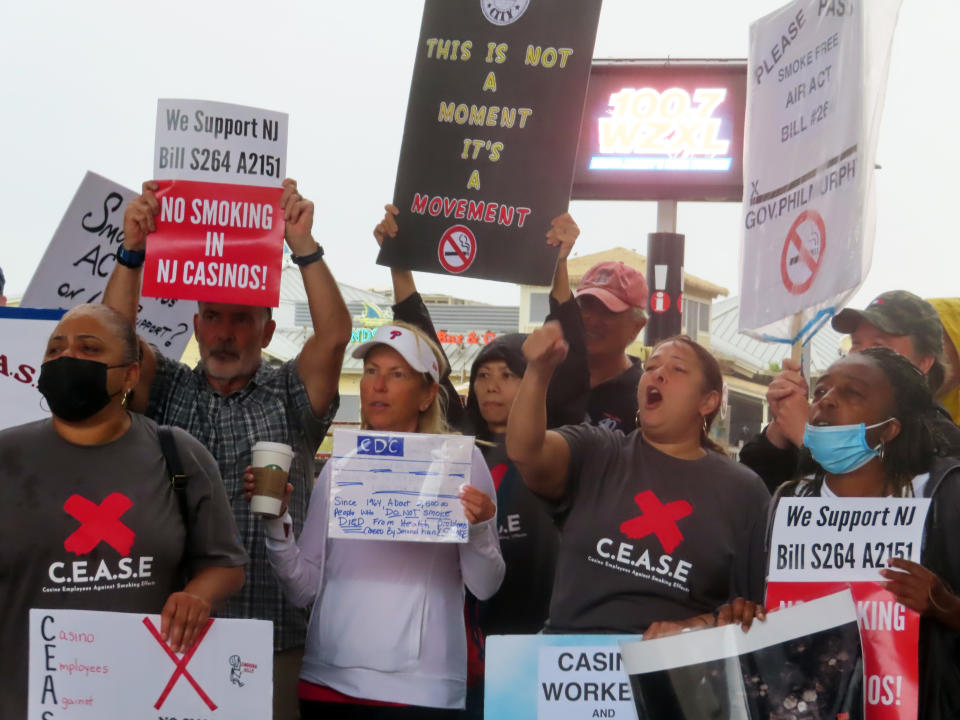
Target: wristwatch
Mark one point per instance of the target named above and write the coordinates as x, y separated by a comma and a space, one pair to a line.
130, 258
302, 260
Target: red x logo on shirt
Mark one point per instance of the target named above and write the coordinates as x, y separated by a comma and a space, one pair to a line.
657, 519
99, 523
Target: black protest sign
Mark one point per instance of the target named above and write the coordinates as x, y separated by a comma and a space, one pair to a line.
490, 138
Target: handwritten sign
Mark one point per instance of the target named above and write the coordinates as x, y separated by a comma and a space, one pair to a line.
81, 255
821, 545
87, 664
23, 338
219, 234
491, 136
817, 76
556, 677
399, 486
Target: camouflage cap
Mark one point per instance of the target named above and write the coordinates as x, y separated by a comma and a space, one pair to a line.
897, 312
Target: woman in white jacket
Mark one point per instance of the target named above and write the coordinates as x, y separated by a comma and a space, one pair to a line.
386, 636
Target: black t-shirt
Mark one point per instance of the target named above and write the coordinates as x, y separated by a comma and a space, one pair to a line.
529, 541
613, 404
648, 537
99, 528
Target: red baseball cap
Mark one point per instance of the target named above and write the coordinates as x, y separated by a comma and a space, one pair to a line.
618, 286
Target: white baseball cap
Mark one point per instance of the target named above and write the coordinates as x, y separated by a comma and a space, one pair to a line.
411, 348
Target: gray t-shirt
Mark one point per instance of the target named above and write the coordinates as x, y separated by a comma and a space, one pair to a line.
98, 528
647, 536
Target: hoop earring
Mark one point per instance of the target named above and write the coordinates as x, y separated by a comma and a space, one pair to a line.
636, 418
883, 451
706, 430
123, 402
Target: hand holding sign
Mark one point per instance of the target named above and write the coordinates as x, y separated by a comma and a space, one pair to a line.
563, 233
388, 226
920, 589
298, 219
182, 618
477, 506
139, 219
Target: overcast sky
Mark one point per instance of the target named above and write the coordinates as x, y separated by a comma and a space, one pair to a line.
80, 83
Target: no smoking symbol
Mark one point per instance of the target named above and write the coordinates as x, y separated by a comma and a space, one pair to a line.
457, 249
803, 252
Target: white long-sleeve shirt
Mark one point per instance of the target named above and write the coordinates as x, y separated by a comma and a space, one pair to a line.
387, 620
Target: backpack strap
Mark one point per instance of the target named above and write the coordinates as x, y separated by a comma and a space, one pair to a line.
178, 479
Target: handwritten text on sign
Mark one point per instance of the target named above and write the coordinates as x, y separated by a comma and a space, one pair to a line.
399, 486
86, 664
848, 539
82, 254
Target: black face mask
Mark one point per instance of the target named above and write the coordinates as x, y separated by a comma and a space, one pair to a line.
75, 389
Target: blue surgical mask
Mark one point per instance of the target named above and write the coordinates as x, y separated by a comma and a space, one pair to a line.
840, 449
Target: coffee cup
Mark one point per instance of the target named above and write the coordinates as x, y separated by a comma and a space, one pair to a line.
271, 465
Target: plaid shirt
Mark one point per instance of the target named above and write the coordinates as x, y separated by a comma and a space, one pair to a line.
273, 406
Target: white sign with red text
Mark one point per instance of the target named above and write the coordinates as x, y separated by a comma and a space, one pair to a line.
822, 545
220, 229
89, 664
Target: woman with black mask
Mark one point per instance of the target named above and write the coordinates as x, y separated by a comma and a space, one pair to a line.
63, 477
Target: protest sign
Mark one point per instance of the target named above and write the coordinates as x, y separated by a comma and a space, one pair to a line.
820, 545
816, 79
399, 486
556, 677
220, 229
81, 255
88, 664
802, 662
490, 137
24, 333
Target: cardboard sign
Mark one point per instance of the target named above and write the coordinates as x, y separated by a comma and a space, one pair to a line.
24, 333
490, 137
399, 486
816, 78
87, 664
802, 662
220, 229
556, 677
81, 255
822, 545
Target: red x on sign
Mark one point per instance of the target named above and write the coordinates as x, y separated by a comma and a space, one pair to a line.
181, 664
658, 519
99, 523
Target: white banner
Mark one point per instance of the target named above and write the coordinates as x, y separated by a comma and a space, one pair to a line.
87, 664
24, 333
844, 539
399, 486
817, 75
81, 255
215, 142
